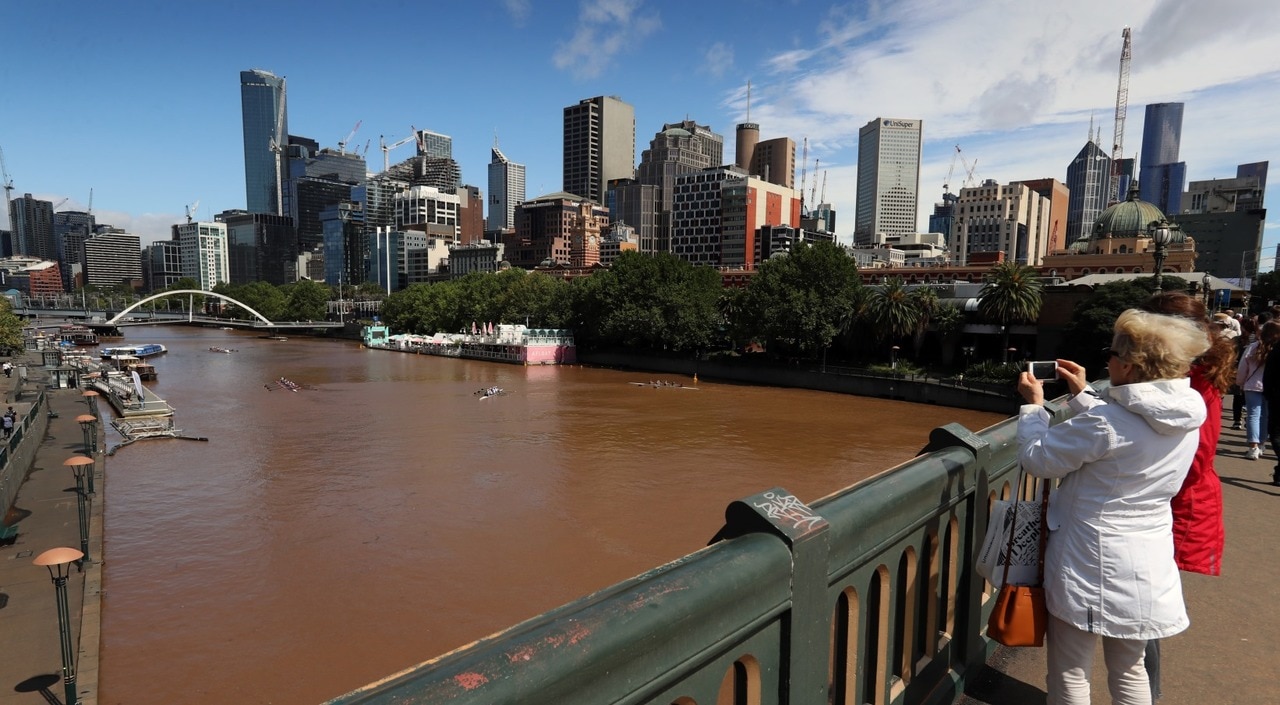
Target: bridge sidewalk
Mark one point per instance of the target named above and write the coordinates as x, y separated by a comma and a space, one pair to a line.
1228, 653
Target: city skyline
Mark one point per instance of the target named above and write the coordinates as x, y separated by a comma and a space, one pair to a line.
151, 137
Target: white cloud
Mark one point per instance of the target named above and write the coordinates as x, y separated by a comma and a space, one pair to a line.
1016, 83
605, 28
718, 59
519, 10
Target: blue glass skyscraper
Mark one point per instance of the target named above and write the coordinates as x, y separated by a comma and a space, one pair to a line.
1161, 177
262, 107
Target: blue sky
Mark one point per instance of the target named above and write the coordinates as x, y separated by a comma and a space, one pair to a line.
140, 102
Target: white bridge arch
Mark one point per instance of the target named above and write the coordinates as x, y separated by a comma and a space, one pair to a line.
116, 319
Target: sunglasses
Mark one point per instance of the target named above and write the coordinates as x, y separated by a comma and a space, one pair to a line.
1110, 353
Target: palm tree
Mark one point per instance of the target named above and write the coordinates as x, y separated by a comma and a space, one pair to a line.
892, 311
925, 299
1010, 295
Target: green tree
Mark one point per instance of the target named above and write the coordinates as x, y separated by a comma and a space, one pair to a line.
649, 303
306, 300
798, 303
1265, 291
948, 321
1092, 319
10, 327
262, 297
1010, 295
892, 309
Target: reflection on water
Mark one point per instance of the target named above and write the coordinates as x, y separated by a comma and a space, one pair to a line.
325, 538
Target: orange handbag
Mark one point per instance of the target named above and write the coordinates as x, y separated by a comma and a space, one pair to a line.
1019, 617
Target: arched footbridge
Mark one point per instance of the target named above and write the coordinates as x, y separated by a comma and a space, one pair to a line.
134, 315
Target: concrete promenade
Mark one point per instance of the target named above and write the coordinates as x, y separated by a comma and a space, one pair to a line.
1228, 654
47, 517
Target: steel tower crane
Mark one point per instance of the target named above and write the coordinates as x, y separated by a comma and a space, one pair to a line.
1122, 109
342, 146
277, 144
386, 148
804, 172
8, 186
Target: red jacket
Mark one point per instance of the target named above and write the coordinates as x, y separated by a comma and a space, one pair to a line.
1198, 534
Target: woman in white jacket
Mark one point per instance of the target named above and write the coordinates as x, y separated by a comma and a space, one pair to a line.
1109, 566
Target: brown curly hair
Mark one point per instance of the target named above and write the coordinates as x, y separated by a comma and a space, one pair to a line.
1218, 363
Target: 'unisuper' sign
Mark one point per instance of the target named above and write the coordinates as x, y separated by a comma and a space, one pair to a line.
900, 123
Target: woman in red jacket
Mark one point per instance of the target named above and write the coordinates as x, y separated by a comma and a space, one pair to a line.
1198, 534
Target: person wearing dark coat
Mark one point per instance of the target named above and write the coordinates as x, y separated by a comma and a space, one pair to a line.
1271, 391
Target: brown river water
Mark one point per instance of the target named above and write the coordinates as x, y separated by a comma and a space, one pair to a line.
384, 515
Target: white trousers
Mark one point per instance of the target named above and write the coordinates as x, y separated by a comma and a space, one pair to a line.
1071, 661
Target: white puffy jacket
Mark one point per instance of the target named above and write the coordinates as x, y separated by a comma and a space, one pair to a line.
1109, 566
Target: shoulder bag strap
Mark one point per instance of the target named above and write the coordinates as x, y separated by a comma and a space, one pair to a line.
1013, 526
1044, 530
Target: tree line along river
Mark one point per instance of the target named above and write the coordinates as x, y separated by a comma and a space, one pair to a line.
384, 514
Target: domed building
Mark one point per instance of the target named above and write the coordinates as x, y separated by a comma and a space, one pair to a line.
1121, 243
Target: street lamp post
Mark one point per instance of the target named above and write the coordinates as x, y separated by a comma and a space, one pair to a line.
77, 466
1205, 283
56, 561
91, 397
893, 358
88, 425
1161, 234
86, 464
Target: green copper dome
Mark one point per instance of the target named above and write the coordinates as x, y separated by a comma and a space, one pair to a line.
1128, 218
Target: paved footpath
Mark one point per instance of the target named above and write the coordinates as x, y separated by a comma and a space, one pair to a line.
47, 513
1228, 655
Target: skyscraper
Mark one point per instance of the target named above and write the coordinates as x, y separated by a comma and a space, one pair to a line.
1089, 184
266, 125
888, 178
1161, 177
506, 191
32, 222
680, 148
599, 145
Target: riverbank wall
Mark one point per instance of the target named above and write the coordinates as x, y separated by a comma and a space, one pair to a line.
841, 380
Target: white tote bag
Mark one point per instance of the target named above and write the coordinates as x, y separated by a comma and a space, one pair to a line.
995, 551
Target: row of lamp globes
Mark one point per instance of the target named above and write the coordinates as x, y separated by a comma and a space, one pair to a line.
58, 561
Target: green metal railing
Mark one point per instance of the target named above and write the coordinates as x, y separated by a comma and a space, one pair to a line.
866, 596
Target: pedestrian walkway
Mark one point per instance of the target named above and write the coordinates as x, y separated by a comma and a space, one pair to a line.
1228, 654
47, 516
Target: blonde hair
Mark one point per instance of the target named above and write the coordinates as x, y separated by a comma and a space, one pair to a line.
1158, 346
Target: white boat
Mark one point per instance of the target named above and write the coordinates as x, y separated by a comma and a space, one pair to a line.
146, 350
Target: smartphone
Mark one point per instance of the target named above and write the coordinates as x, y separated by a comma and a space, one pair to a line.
1045, 370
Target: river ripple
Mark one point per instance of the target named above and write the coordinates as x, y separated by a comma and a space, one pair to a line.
325, 538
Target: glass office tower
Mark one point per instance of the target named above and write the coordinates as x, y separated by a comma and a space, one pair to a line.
1161, 177
263, 112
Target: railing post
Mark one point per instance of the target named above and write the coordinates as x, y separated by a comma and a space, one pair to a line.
969, 622
807, 650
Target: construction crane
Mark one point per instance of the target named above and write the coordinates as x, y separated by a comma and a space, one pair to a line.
8, 186
1122, 109
946, 185
824, 186
813, 193
89, 209
804, 172
365, 151
60, 204
342, 145
386, 148
277, 144
191, 210
970, 178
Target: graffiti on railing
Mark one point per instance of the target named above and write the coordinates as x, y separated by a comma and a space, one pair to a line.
786, 507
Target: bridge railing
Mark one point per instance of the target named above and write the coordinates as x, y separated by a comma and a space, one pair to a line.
866, 596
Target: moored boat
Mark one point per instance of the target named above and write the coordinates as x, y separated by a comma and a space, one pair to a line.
146, 350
